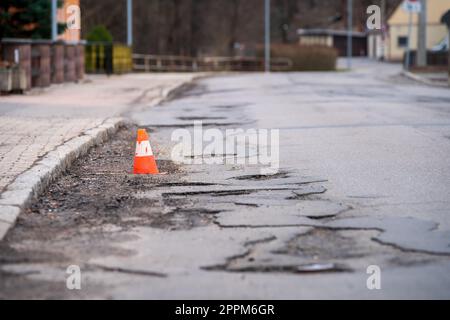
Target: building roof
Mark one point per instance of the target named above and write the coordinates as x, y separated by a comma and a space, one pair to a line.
435, 10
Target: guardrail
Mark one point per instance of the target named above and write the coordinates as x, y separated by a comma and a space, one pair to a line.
156, 63
438, 58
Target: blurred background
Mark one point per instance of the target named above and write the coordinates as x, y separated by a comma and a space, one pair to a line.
106, 36
219, 27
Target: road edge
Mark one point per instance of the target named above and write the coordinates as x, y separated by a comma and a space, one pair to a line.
31, 183
422, 80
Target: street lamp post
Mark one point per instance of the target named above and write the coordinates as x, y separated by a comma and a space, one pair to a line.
130, 22
267, 36
408, 47
54, 8
422, 36
349, 33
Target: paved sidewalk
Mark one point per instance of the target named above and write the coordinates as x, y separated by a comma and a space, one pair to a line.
34, 124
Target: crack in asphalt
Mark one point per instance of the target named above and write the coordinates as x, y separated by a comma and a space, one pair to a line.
253, 205
128, 271
378, 239
185, 184
246, 191
299, 196
295, 268
259, 241
259, 177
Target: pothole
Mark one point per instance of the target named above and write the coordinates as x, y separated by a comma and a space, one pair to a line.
184, 219
319, 251
300, 269
185, 184
231, 106
253, 205
260, 177
100, 189
323, 244
213, 155
200, 118
213, 193
305, 193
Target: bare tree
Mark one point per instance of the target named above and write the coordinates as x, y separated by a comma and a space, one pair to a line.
213, 27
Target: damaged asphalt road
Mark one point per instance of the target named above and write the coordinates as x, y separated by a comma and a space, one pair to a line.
343, 199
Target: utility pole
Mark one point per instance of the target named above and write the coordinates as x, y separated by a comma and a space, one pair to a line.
129, 23
267, 36
408, 48
422, 36
349, 33
54, 20
383, 29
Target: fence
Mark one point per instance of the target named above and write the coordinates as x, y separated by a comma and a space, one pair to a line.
108, 58
439, 58
148, 63
39, 63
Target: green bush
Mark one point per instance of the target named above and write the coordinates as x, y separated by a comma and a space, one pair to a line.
29, 19
99, 34
306, 58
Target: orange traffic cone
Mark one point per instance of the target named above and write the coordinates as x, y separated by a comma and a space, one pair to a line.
144, 160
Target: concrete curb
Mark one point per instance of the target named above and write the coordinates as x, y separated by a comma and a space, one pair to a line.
420, 79
34, 181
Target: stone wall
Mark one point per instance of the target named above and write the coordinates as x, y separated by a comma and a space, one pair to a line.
45, 62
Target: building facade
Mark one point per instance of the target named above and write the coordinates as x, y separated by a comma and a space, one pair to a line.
334, 38
397, 39
68, 12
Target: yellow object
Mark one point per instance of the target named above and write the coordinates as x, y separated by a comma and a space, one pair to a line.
398, 28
